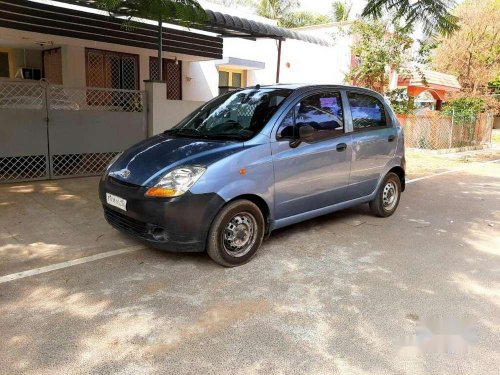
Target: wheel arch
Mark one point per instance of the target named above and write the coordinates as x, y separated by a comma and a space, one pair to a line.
400, 172
260, 203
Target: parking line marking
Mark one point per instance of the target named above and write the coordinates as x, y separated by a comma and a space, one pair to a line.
452, 170
69, 263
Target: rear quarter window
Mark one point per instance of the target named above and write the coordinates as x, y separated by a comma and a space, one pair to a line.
367, 112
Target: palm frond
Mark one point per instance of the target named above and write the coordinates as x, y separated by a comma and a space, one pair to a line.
178, 11
341, 10
433, 15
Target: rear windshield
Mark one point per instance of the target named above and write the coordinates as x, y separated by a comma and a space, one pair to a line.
237, 115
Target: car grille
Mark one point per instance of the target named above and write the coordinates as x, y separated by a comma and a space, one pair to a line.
125, 223
118, 182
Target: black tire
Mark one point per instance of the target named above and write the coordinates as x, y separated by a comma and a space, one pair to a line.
224, 236
377, 205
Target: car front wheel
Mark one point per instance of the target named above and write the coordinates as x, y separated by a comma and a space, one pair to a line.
388, 195
236, 233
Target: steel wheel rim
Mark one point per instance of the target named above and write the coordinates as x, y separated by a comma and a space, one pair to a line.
239, 234
389, 195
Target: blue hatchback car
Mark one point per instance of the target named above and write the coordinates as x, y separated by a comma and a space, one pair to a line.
254, 160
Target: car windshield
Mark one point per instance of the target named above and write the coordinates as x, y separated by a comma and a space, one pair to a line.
238, 115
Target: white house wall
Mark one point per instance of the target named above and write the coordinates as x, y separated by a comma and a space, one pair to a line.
200, 80
73, 66
340, 51
301, 62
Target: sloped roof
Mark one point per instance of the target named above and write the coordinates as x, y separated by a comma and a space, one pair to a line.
426, 77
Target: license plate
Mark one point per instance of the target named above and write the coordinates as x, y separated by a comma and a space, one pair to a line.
113, 200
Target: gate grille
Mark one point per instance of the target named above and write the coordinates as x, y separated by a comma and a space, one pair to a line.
91, 164
21, 168
21, 95
95, 99
34, 116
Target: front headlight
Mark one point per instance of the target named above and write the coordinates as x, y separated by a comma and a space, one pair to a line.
176, 182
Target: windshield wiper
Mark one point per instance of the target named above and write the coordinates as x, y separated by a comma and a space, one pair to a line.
171, 131
183, 133
197, 135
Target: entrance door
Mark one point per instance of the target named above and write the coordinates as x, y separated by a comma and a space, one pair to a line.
374, 143
52, 65
315, 173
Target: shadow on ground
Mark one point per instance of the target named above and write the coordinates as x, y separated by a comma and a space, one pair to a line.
344, 293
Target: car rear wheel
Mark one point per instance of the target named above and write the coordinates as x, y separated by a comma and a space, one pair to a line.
236, 233
388, 195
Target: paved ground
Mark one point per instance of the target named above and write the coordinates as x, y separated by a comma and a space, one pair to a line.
346, 293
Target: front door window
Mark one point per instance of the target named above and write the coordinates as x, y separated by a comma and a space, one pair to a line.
322, 111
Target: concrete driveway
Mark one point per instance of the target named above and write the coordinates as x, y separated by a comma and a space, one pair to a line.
348, 293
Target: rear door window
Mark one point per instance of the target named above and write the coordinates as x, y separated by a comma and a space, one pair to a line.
367, 112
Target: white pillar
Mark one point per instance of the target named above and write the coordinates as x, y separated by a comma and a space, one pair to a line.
156, 97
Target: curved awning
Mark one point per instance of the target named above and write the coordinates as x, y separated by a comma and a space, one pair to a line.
232, 26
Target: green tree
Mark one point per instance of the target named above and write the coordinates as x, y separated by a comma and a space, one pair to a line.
377, 49
276, 9
183, 12
399, 100
285, 13
473, 52
341, 10
494, 87
301, 18
464, 107
433, 15
252, 4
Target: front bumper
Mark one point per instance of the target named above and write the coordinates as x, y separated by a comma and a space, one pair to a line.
178, 224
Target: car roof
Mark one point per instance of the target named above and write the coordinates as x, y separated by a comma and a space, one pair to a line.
307, 86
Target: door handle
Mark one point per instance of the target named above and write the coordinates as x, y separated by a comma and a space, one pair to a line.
391, 138
341, 147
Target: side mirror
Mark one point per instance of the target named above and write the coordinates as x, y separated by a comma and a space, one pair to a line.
306, 131
286, 133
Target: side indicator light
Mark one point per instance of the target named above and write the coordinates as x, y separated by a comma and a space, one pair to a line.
160, 192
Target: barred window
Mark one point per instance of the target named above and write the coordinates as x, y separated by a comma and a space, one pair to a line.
114, 70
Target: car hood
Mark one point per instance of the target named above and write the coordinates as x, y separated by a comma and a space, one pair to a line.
146, 162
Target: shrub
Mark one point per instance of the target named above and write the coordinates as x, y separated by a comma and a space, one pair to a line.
464, 107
